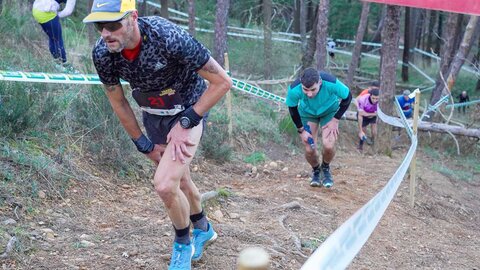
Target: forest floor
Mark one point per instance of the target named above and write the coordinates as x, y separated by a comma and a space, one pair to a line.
104, 224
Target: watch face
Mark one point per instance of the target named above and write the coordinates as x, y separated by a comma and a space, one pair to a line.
185, 122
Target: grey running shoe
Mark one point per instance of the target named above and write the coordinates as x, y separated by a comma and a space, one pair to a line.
327, 180
360, 147
370, 141
315, 182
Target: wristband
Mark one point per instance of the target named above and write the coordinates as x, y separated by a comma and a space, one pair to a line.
190, 118
143, 144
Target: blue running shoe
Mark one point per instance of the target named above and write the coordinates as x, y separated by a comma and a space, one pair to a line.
181, 257
327, 180
315, 182
201, 239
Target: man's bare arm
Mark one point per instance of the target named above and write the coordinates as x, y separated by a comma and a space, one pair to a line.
360, 121
219, 84
122, 109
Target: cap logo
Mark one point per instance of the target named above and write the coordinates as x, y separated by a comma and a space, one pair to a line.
101, 5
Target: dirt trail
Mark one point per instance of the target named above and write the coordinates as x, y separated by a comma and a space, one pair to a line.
113, 226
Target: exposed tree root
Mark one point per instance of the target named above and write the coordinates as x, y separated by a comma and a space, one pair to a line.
9, 248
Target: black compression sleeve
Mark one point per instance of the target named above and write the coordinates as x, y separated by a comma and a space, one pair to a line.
343, 106
295, 116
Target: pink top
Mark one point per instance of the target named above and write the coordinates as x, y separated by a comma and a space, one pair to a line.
365, 105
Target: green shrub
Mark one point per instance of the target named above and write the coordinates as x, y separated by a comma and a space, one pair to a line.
20, 109
286, 126
255, 158
214, 144
106, 138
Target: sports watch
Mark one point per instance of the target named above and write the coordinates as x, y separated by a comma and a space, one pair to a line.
185, 122
189, 118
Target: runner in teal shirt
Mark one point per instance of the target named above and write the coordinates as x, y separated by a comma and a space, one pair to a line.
318, 98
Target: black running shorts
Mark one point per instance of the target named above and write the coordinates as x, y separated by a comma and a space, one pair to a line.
158, 127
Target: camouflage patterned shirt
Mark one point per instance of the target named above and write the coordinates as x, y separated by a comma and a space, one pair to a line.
165, 72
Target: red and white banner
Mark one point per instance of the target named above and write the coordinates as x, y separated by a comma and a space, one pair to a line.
471, 7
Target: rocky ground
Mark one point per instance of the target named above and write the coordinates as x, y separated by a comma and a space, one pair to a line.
103, 224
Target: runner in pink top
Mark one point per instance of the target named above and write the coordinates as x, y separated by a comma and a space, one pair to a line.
367, 115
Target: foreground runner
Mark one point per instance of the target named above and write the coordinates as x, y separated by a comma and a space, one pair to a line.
166, 68
313, 100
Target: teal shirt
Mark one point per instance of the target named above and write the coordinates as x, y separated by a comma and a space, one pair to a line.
326, 101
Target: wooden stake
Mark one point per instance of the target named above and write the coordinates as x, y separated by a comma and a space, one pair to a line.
413, 164
228, 101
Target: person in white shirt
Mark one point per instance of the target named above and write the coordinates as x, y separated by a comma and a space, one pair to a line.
331, 47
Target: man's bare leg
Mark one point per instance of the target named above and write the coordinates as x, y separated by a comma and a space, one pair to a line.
167, 183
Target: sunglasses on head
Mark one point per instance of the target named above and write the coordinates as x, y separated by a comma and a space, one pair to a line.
110, 26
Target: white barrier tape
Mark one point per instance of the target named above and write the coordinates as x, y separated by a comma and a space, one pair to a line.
244, 35
403, 119
427, 89
256, 91
256, 34
436, 57
457, 105
393, 121
19, 76
41, 77
432, 108
343, 245
421, 72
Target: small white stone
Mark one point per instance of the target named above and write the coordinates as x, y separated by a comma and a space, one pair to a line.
42, 194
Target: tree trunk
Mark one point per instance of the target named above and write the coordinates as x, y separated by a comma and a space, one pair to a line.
477, 66
389, 58
425, 31
164, 9
142, 9
322, 30
462, 52
311, 15
296, 16
415, 30
445, 54
257, 14
307, 58
220, 42
420, 28
429, 45
303, 25
267, 38
458, 35
438, 40
406, 45
191, 17
357, 49
377, 36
